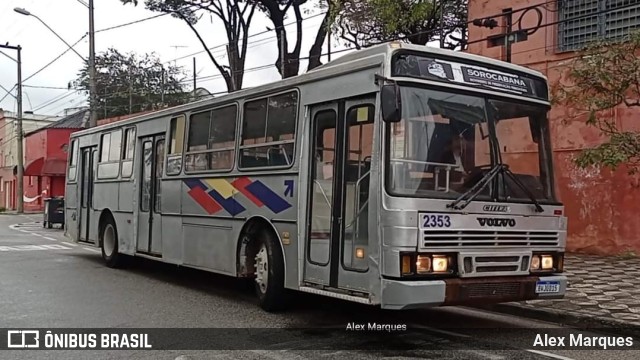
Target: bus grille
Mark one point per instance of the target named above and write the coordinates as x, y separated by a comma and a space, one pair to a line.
448, 238
489, 290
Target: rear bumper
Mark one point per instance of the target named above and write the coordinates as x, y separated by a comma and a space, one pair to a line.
471, 291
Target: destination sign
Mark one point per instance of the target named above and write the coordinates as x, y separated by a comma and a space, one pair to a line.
495, 79
478, 75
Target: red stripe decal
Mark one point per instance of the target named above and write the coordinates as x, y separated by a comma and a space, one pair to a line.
204, 200
241, 184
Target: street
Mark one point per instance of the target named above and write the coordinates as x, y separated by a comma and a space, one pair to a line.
49, 282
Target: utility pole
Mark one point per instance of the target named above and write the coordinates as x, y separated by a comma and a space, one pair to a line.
441, 24
20, 156
93, 119
20, 172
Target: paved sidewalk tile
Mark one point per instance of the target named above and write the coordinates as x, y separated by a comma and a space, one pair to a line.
603, 289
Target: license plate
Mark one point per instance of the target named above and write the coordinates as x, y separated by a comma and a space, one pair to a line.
545, 287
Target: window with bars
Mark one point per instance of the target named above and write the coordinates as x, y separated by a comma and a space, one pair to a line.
583, 21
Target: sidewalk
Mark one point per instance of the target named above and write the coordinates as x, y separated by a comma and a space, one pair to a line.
604, 291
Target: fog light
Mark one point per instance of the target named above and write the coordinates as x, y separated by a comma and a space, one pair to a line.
423, 265
406, 264
440, 264
535, 262
360, 253
547, 262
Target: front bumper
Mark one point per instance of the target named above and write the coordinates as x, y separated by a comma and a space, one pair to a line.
399, 295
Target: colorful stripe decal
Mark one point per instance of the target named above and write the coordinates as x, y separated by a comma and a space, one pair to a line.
241, 185
214, 195
207, 203
268, 197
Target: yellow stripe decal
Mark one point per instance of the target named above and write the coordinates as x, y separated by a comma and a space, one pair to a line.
222, 187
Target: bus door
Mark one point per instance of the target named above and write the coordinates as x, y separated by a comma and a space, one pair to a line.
338, 231
88, 159
149, 220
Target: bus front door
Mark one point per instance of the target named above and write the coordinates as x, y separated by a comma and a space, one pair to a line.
149, 219
337, 246
88, 159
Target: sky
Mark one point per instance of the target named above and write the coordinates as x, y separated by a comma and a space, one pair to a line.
46, 93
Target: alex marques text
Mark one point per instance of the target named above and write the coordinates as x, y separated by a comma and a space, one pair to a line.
352, 326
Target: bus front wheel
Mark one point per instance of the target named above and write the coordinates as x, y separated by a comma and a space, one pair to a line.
109, 244
270, 275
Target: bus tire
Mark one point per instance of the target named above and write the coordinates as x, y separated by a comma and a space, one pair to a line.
269, 282
109, 244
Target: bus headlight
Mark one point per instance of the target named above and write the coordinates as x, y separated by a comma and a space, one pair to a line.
423, 265
440, 263
426, 264
535, 262
549, 262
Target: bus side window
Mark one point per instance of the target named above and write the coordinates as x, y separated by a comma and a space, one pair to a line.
211, 141
127, 153
176, 145
109, 161
73, 161
268, 135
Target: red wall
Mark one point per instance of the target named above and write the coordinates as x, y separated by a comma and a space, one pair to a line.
602, 205
47, 144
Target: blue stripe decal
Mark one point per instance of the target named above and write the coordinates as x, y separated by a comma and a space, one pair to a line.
230, 205
192, 183
272, 200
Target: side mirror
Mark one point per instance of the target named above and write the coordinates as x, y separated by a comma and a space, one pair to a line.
390, 102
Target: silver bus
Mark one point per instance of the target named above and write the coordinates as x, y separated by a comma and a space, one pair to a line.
400, 176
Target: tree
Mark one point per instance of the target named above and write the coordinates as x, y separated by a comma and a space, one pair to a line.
605, 76
236, 17
128, 83
362, 23
277, 11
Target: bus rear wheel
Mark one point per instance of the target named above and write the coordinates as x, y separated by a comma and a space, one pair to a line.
109, 245
269, 273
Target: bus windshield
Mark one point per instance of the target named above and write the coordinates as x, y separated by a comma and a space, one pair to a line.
444, 144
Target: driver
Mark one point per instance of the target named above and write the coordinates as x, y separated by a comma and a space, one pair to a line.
453, 155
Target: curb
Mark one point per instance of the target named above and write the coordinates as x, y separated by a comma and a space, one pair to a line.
580, 321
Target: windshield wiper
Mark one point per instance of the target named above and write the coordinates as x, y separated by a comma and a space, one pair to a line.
507, 172
475, 190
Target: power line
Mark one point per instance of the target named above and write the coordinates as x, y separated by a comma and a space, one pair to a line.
45, 87
130, 23
248, 37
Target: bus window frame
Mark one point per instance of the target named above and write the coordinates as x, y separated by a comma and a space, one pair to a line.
118, 161
293, 141
73, 154
185, 144
123, 150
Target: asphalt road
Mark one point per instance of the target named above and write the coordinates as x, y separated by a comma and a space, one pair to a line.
61, 284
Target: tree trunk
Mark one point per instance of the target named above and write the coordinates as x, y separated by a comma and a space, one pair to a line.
316, 50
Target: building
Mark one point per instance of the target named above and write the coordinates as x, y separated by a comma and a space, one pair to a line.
9, 151
602, 206
46, 159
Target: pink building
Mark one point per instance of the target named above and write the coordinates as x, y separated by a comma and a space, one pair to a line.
46, 159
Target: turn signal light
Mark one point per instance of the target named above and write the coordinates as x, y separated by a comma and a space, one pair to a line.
406, 264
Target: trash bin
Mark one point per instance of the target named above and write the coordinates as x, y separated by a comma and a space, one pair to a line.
53, 212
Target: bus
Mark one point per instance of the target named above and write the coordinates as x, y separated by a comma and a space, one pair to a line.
399, 176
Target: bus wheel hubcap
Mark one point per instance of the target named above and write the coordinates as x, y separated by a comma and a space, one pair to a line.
262, 270
109, 240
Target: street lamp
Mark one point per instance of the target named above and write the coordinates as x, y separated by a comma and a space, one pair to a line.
92, 67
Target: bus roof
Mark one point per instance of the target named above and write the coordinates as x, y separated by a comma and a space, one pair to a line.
344, 64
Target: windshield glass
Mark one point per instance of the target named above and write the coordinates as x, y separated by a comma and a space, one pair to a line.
442, 146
